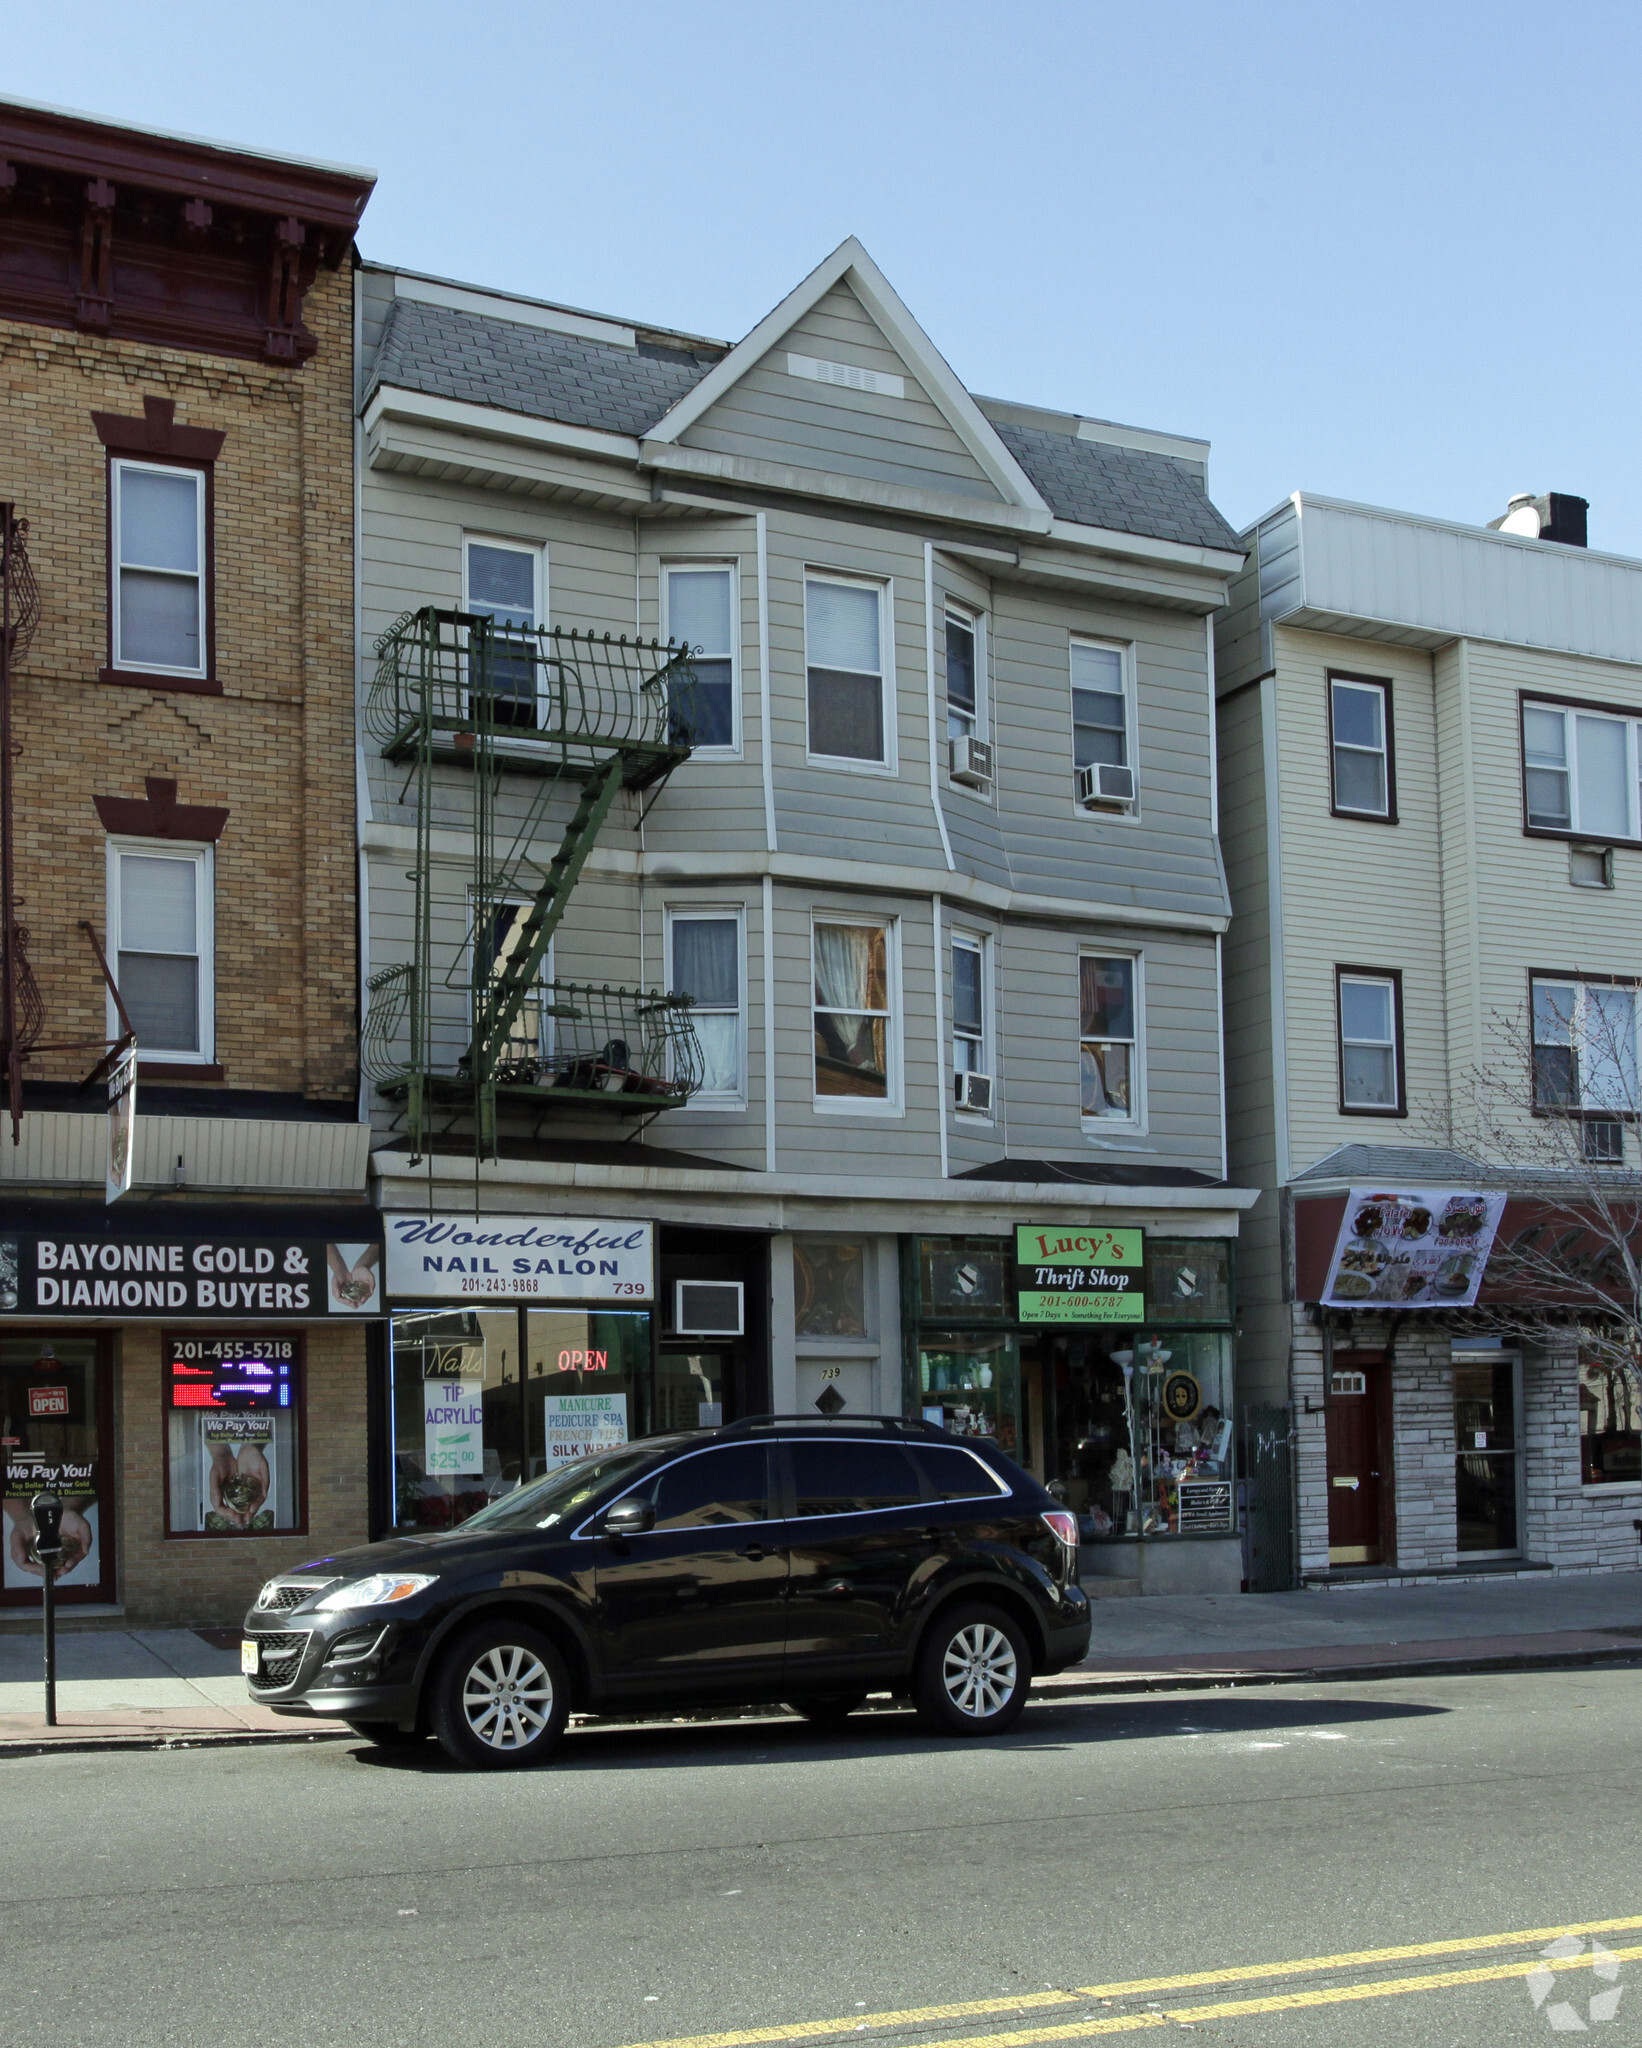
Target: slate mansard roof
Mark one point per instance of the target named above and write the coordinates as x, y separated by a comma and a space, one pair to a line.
442, 352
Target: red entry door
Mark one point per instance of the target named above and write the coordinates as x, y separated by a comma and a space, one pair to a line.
1358, 1476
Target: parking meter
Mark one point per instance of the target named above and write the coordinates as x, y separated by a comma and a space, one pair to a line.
47, 1510
48, 1523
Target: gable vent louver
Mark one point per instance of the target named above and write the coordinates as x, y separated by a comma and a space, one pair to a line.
880, 382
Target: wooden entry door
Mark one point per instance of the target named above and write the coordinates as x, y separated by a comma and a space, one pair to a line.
1359, 1466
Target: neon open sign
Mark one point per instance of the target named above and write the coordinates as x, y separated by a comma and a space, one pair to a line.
584, 1361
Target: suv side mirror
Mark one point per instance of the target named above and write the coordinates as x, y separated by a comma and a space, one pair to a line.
630, 1517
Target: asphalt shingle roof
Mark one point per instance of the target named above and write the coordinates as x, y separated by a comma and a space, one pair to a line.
1124, 489
449, 354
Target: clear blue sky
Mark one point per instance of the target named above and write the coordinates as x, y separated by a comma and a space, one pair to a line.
1384, 251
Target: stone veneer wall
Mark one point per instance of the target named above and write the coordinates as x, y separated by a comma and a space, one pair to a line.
1566, 1524
196, 1581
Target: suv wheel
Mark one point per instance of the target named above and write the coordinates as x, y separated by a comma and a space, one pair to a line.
830, 1711
501, 1697
973, 1673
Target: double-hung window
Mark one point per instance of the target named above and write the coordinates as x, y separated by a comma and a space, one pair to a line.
1369, 1009
160, 919
529, 1045
844, 640
1580, 771
1362, 778
1102, 735
503, 582
971, 1053
965, 677
1108, 1044
854, 1023
160, 569
700, 611
1585, 1049
704, 962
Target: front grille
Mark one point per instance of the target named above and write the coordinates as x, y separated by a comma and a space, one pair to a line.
279, 1596
281, 1659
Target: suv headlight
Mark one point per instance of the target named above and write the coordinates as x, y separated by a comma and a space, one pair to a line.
381, 1589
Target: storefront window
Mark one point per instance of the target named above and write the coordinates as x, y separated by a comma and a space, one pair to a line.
48, 1409
1133, 1427
1188, 1280
233, 1433
470, 1425
969, 1383
1610, 1422
965, 1277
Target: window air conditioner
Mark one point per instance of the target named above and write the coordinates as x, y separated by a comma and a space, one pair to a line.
969, 760
707, 1308
974, 1091
1105, 787
1605, 1140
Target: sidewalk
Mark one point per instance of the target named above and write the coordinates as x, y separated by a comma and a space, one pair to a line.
153, 1688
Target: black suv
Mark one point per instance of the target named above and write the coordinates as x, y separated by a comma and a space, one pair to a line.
775, 1559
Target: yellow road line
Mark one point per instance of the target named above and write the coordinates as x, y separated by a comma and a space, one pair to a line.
914, 2016
1118, 2023
1137, 1987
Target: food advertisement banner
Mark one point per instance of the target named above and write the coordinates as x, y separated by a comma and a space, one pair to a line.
1064, 1274
148, 1278
1412, 1247
518, 1258
580, 1423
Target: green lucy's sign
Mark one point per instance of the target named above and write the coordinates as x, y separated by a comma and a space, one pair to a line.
1064, 1274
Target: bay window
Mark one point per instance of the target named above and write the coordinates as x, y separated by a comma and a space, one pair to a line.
1580, 771
844, 653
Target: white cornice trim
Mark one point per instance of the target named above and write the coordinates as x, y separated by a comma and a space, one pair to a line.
393, 401
1220, 561
876, 878
850, 263
502, 306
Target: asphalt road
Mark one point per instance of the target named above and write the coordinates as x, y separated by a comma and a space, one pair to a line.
731, 1879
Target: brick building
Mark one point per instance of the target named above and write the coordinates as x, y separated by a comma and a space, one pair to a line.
185, 1361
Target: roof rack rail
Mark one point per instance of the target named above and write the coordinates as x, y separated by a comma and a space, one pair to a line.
900, 1425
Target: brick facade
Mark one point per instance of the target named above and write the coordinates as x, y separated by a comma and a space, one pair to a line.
276, 747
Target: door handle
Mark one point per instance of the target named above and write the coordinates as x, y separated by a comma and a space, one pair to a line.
934, 1535
753, 1550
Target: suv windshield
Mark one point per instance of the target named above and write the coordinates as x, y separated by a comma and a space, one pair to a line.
548, 1500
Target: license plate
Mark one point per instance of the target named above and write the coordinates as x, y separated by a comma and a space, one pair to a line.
249, 1656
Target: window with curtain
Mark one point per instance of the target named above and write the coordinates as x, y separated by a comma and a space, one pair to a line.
700, 608
1100, 706
159, 568
1107, 1036
1585, 1051
852, 1014
160, 919
1580, 771
502, 587
706, 965
843, 650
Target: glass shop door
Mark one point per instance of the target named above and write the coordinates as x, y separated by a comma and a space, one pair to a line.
56, 1428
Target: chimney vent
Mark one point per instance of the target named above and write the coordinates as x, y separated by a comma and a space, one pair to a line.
1552, 516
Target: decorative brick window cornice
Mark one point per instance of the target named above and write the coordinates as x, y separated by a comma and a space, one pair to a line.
157, 434
160, 816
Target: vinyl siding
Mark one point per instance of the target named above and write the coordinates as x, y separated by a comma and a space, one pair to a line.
771, 416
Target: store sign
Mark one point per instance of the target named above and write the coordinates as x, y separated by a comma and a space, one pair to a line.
48, 1400
581, 1423
146, 1278
122, 1120
229, 1372
1068, 1274
1412, 1248
453, 1427
1205, 1506
519, 1258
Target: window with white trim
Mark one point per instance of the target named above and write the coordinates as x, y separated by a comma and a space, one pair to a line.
704, 961
502, 581
844, 636
1370, 1042
970, 1052
1585, 1046
1359, 723
855, 1048
1107, 1039
160, 567
699, 608
529, 1044
965, 676
1100, 705
160, 946
1580, 771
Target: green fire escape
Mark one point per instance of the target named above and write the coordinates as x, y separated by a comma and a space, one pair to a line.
469, 1021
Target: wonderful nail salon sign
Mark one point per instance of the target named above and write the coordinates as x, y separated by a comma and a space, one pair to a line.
519, 1258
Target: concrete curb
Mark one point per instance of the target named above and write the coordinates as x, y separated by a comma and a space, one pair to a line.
1098, 1685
